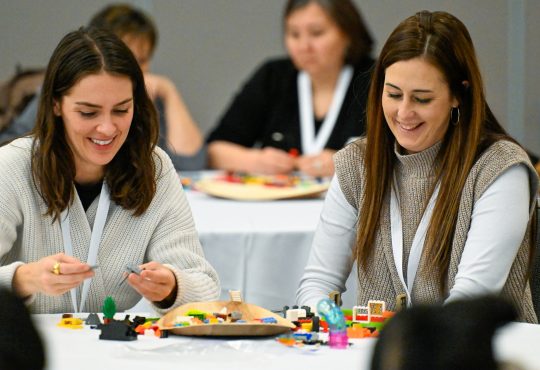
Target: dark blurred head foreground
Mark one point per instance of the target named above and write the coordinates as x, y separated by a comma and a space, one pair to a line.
20, 345
455, 336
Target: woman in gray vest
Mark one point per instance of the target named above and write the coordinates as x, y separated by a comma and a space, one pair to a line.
434, 204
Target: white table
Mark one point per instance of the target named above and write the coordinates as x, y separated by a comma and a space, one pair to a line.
68, 349
260, 248
82, 350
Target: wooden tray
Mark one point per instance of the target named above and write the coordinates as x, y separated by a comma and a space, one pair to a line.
248, 329
255, 192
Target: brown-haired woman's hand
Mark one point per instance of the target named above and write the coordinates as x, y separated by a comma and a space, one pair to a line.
155, 282
51, 275
320, 165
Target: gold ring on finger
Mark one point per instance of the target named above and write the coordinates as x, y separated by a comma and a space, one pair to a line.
56, 268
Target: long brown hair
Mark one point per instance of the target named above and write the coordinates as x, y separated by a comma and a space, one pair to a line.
131, 175
443, 41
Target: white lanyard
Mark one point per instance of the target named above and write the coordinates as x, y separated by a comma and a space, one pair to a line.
97, 231
418, 241
311, 144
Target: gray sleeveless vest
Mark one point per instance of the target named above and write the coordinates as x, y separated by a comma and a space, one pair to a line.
380, 280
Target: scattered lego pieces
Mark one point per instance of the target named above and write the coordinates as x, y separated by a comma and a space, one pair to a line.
301, 340
196, 317
294, 313
187, 183
267, 320
360, 322
109, 309
70, 322
279, 180
92, 319
117, 330
235, 296
236, 316
336, 323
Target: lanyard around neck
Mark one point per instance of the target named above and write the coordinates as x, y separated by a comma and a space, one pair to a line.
396, 226
97, 231
312, 144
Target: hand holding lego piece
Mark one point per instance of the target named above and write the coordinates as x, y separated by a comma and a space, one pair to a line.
51, 275
155, 282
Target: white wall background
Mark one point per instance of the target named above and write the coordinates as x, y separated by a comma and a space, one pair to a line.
209, 47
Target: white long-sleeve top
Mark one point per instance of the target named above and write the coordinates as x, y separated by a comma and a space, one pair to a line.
499, 221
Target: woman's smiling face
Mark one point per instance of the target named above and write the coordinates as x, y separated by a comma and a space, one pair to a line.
97, 113
416, 102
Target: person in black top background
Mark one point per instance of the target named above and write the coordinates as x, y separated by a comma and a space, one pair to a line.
261, 131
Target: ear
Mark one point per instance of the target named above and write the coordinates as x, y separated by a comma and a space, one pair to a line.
57, 108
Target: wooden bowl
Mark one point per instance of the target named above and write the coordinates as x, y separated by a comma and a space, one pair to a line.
250, 328
257, 192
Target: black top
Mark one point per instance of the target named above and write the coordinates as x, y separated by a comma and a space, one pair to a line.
266, 111
87, 193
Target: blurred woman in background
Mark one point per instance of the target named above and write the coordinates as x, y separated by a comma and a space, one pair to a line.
295, 112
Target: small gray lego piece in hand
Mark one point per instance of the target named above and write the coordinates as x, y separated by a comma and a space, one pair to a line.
130, 269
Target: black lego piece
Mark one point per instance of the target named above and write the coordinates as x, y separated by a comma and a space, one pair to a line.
117, 330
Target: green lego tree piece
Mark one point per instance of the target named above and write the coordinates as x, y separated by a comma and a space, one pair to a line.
109, 308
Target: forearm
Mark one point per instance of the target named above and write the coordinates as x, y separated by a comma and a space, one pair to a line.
180, 251
498, 226
331, 258
23, 279
231, 157
183, 135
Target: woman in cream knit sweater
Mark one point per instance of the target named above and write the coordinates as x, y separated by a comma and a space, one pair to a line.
90, 188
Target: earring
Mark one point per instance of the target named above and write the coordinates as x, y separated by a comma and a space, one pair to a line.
454, 115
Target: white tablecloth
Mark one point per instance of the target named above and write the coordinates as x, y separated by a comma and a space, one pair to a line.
68, 349
260, 248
